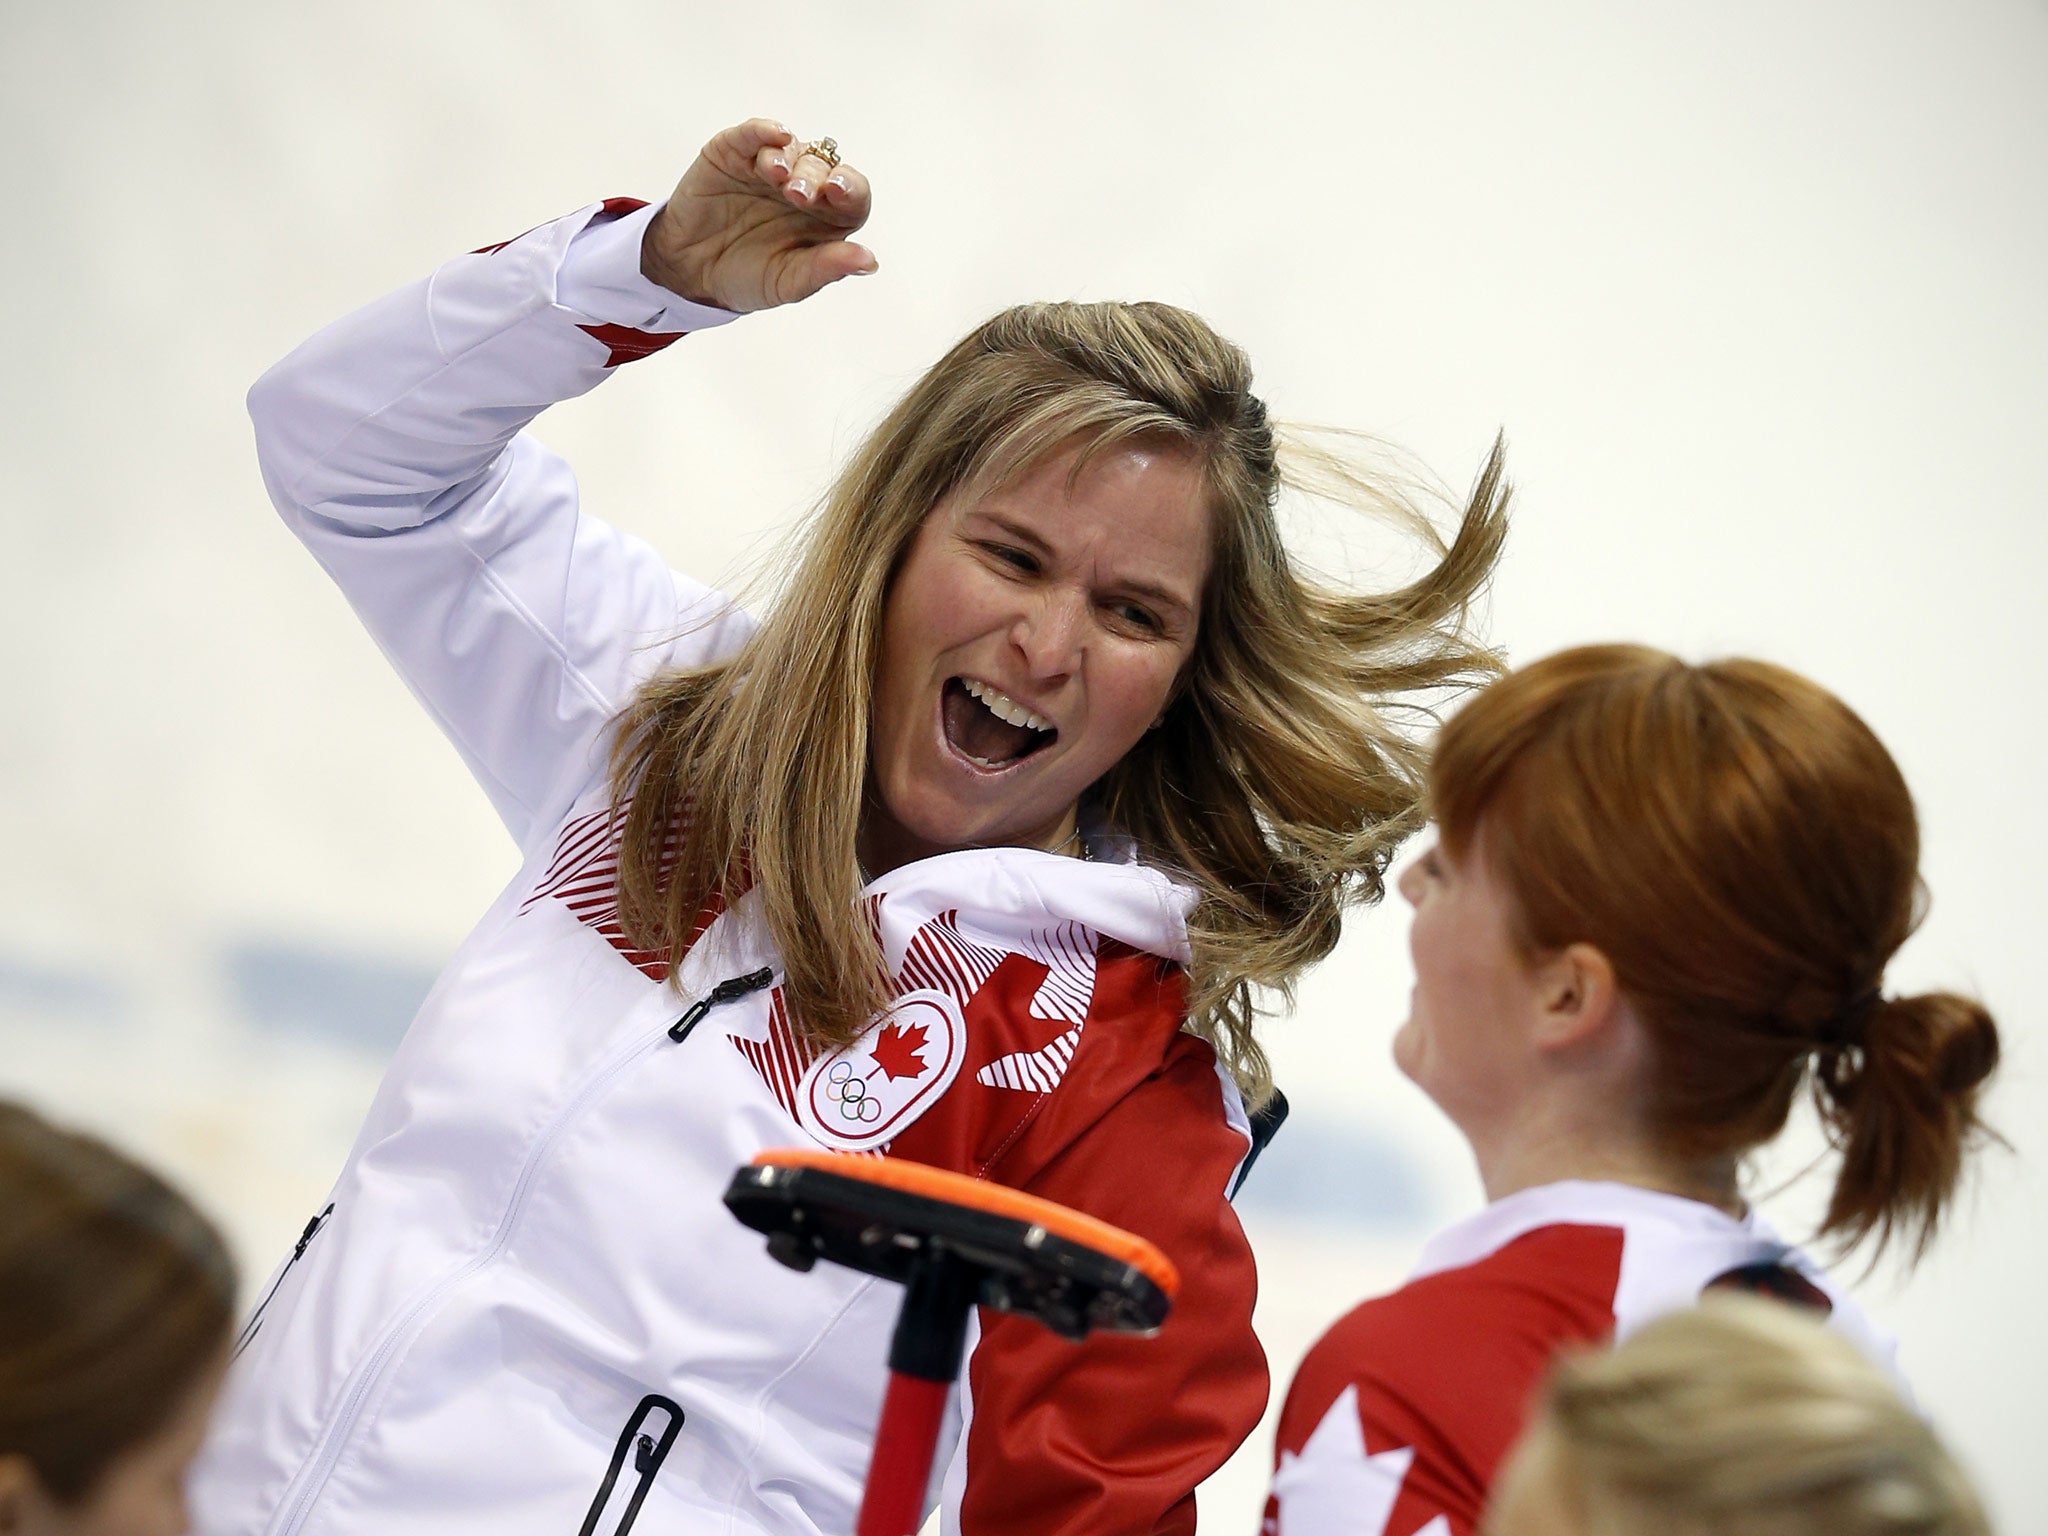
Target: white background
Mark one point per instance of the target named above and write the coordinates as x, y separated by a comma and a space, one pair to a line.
1759, 293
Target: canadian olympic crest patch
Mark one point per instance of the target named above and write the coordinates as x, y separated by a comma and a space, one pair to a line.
863, 1095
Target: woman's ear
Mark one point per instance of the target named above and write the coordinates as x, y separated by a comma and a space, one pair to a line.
1578, 1001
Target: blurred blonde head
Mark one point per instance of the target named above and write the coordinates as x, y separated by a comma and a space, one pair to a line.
1741, 1418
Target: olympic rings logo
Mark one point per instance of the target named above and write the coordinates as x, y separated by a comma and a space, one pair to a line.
868, 1093
851, 1094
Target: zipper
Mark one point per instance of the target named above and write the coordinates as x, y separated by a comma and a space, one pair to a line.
248, 1334
314, 1475
726, 991
648, 1453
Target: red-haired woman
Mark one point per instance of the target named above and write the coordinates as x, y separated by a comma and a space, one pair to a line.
116, 1299
1661, 904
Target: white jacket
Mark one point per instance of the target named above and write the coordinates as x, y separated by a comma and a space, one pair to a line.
526, 1309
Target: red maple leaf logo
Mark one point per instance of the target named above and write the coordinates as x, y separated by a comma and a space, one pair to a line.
896, 1051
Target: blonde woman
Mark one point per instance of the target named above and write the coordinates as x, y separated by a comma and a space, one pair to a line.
971, 852
1660, 909
1738, 1418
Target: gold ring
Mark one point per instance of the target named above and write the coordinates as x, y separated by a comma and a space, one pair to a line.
826, 150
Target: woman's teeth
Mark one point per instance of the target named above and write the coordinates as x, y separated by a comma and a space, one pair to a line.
1005, 708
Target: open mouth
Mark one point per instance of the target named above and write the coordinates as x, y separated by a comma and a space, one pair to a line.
988, 727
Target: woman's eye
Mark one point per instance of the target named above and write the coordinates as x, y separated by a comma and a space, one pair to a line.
1137, 617
1010, 555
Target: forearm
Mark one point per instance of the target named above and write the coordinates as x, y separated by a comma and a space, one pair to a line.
391, 445
379, 417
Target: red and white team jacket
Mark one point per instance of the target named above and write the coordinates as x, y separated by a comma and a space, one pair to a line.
1401, 1413
524, 1308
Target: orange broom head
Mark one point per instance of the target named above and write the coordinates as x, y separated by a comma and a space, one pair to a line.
1061, 1221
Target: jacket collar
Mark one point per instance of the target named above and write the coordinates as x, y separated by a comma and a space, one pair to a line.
1016, 891
1575, 1202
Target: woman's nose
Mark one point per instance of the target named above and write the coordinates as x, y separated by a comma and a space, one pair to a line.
1410, 883
1048, 635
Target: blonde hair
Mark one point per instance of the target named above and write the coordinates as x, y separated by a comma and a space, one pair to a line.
1741, 1418
1278, 785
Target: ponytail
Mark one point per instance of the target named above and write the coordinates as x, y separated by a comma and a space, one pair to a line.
1898, 1095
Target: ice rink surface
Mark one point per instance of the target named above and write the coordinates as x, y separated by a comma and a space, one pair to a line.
1756, 292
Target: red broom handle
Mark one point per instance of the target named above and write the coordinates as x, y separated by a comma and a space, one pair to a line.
901, 1469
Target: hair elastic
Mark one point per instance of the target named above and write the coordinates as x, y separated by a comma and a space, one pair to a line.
1847, 1023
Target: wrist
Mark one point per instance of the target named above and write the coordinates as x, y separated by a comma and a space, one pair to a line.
606, 276
669, 268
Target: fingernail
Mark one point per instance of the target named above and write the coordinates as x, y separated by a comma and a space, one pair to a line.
837, 181
800, 187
